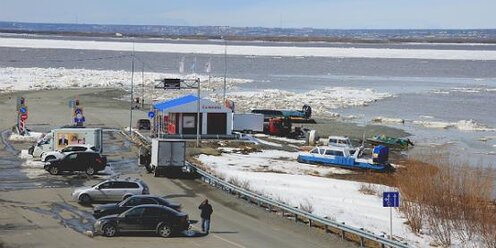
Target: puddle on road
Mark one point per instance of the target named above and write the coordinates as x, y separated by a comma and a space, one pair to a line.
69, 216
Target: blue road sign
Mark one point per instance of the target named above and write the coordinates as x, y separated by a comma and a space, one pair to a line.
79, 119
78, 111
391, 199
23, 110
151, 114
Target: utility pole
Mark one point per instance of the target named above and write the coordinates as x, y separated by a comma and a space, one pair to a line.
225, 69
198, 115
132, 91
143, 85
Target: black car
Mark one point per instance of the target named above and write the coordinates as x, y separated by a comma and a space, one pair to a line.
89, 162
136, 200
161, 220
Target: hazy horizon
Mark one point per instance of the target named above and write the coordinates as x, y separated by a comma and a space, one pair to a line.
318, 14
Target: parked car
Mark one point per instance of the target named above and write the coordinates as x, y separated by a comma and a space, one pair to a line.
89, 162
161, 220
47, 156
114, 190
130, 202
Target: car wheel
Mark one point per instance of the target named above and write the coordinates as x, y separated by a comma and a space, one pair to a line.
90, 171
164, 231
109, 230
54, 170
85, 199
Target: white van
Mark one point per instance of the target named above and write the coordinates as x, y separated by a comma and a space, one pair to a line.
58, 139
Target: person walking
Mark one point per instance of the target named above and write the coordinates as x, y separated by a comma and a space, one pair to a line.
206, 212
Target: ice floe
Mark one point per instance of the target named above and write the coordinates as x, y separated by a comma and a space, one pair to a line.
252, 50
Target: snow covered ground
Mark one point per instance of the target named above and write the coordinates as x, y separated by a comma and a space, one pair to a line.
276, 174
253, 50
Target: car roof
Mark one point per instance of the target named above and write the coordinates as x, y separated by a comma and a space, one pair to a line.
338, 137
79, 145
159, 206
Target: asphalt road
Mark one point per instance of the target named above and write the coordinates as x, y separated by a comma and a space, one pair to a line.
36, 209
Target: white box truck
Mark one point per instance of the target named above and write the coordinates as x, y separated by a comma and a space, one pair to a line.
57, 139
168, 156
248, 122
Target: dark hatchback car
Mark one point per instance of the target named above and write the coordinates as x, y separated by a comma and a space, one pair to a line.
89, 162
158, 219
136, 200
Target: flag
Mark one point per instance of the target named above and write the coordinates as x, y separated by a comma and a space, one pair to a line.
208, 66
181, 66
193, 66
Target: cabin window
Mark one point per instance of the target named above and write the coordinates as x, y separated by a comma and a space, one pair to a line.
315, 150
334, 153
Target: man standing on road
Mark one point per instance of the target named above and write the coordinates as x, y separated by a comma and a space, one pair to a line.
206, 212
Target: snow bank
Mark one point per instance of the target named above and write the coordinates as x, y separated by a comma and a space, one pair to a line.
268, 160
480, 89
463, 125
338, 200
381, 119
322, 101
31, 136
252, 50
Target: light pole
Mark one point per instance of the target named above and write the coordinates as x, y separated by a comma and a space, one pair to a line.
132, 91
225, 69
198, 114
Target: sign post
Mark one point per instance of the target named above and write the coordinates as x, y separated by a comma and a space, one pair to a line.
22, 115
391, 200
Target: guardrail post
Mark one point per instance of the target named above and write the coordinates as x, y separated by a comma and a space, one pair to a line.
326, 228
309, 222
362, 242
342, 234
270, 208
296, 218
383, 246
258, 203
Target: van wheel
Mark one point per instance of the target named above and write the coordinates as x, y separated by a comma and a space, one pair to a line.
90, 171
164, 231
54, 170
85, 199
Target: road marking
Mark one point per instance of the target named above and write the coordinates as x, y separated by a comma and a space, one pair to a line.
228, 241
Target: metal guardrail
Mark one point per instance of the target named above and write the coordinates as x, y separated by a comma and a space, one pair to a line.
360, 232
217, 182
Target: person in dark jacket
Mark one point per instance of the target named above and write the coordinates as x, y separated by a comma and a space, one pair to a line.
206, 212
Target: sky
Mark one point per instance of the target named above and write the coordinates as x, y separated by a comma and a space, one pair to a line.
334, 14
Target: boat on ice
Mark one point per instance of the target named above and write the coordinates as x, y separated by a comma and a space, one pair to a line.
340, 156
391, 142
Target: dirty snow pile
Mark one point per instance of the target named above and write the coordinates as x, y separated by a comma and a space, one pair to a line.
464, 125
30, 136
289, 182
17, 79
322, 101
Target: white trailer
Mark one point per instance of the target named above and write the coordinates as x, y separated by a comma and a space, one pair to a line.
168, 156
58, 139
248, 122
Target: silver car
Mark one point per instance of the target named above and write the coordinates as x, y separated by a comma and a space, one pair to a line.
114, 190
